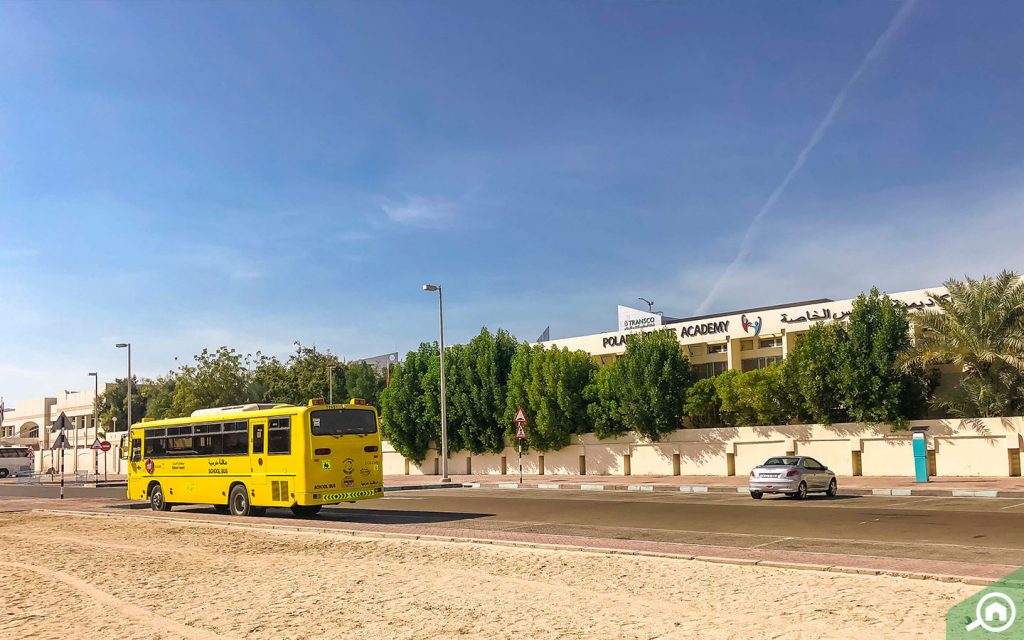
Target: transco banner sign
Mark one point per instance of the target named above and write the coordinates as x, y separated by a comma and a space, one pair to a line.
630, 319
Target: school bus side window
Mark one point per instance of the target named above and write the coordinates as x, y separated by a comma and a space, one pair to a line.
136, 449
280, 436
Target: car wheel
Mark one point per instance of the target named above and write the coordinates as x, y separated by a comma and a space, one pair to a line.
4, 473
756, 495
238, 501
801, 491
833, 489
156, 499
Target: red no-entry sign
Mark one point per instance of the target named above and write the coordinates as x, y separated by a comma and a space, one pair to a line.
105, 446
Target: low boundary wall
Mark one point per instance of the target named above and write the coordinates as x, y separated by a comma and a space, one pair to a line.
982, 447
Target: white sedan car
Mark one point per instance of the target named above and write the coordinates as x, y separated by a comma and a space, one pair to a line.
795, 476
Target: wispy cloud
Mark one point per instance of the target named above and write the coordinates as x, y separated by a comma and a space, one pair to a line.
920, 240
816, 136
420, 211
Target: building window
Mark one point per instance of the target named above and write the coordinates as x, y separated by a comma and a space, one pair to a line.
710, 369
749, 364
747, 345
771, 343
716, 348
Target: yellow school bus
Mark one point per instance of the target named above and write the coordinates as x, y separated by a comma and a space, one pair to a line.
245, 458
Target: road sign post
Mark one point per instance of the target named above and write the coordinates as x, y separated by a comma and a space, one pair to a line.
62, 444
96, 446
104, 447
520, 421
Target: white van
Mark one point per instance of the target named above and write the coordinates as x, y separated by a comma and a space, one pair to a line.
15, 461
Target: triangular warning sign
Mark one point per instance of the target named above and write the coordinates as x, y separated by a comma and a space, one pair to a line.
61, 423
61, 442
520, 431
520, 416
96, 444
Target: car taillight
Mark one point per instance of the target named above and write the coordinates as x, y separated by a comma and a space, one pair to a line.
752, 474
792, 473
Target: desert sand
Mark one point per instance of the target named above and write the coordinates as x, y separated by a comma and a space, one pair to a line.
123, 577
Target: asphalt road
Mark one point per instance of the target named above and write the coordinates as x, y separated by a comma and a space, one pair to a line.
983, 530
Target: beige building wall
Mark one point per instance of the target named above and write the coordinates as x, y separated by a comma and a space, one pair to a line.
984, 447
38, 415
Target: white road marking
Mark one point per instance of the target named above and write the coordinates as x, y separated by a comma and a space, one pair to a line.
1010, 506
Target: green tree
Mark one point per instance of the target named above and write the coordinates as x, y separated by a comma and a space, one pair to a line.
405, 424
703, 404
218, 379
812, 377
732, 409
979, 329
363, 381
644, 390
477, 379
874, 387
551, 386
159, 396
271, 381
112, 403
307, 369
763, 396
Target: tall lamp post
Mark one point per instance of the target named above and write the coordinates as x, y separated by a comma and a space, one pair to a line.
95, 397
444, 408
95, 421
122, 345
330, 384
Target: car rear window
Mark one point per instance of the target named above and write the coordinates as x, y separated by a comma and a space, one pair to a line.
341, 422
781, 462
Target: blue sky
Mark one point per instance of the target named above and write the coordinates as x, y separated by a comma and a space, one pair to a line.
187, 175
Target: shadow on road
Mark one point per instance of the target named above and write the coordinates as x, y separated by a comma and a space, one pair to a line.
365, 516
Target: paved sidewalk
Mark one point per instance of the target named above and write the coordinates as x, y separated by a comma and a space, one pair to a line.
848, 485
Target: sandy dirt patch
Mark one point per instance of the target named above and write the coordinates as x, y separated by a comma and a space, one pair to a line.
68, 576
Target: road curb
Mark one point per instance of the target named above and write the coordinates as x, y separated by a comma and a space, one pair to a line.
671, 488
711, 559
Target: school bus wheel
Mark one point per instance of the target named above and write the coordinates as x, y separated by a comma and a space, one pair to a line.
303, 510
238, 501
156, 498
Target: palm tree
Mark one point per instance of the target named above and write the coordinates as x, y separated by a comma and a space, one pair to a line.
979, 328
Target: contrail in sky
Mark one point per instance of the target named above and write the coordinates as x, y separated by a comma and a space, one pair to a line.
819, 132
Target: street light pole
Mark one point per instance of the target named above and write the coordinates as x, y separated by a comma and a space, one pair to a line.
444, 408
122, 345
95, 419
330, 384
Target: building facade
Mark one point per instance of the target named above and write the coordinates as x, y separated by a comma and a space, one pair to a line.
744, 340
31, 421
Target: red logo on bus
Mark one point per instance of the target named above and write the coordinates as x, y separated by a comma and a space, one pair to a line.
149, 465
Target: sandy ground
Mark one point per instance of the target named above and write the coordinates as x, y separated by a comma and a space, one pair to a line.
67, 576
